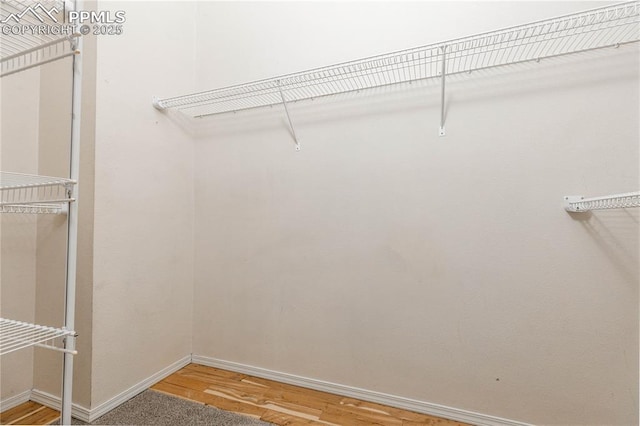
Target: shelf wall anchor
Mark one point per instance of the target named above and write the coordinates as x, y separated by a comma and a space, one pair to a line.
286, 110
442, 80
157, 104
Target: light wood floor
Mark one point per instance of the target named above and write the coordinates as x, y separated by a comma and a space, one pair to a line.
270, 401
29, 413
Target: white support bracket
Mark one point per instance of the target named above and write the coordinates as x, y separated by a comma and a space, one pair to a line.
286, 110
443, 72
64, 209
67, 349
571, 203
73, 43
157, 104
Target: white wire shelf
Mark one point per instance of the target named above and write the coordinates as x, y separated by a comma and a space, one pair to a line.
34, 33
34, 194
577, 203
594, 29
16, 335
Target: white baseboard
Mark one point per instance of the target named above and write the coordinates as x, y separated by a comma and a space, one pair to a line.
89, 415
14, 401
137, 388
363, 394
53, 401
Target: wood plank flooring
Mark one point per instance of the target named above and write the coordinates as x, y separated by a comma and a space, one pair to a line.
267, 400
29, 413
283, 404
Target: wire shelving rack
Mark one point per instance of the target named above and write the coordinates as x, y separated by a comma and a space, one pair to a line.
578, 203
593, 29
34, 33
52, 39
34, 194
16, 335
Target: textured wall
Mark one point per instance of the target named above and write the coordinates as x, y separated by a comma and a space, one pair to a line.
18, 153
384, 257
143, 227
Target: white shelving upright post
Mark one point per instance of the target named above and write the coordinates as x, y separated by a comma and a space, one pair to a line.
72, 244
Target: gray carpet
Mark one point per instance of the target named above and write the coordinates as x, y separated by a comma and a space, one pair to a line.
156, 408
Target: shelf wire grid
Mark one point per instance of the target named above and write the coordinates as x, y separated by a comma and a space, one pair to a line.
33, 33
594, 29
34, 194
15, 335
618, 201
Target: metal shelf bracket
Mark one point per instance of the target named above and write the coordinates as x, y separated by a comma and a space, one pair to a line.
571, 203
157, 103
443, 72
286, 110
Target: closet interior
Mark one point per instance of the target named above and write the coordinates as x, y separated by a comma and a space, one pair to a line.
401, 228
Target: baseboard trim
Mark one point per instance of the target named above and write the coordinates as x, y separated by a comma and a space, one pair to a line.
89, 415
363, 394
14, 401
53, 401
137, 388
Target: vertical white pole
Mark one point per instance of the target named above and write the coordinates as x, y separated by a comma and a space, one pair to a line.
72, 245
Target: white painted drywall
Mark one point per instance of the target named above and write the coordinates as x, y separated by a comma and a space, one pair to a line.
18, 153
143, 223
85, 189
384, 257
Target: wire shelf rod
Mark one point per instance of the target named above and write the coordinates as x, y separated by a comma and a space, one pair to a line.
583, 31
35, 64
41, 46
36, 202
15, 335
577, 203
34, 194
53, 40
258, 104
11, 180
451, 42
34, 209
37, 56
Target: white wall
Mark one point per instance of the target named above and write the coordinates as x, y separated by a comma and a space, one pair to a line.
439, 269
85, 189
18, 153
143, 226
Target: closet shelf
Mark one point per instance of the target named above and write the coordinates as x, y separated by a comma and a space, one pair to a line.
24, 193
15, 335
577, 203
593, 29
36, 34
